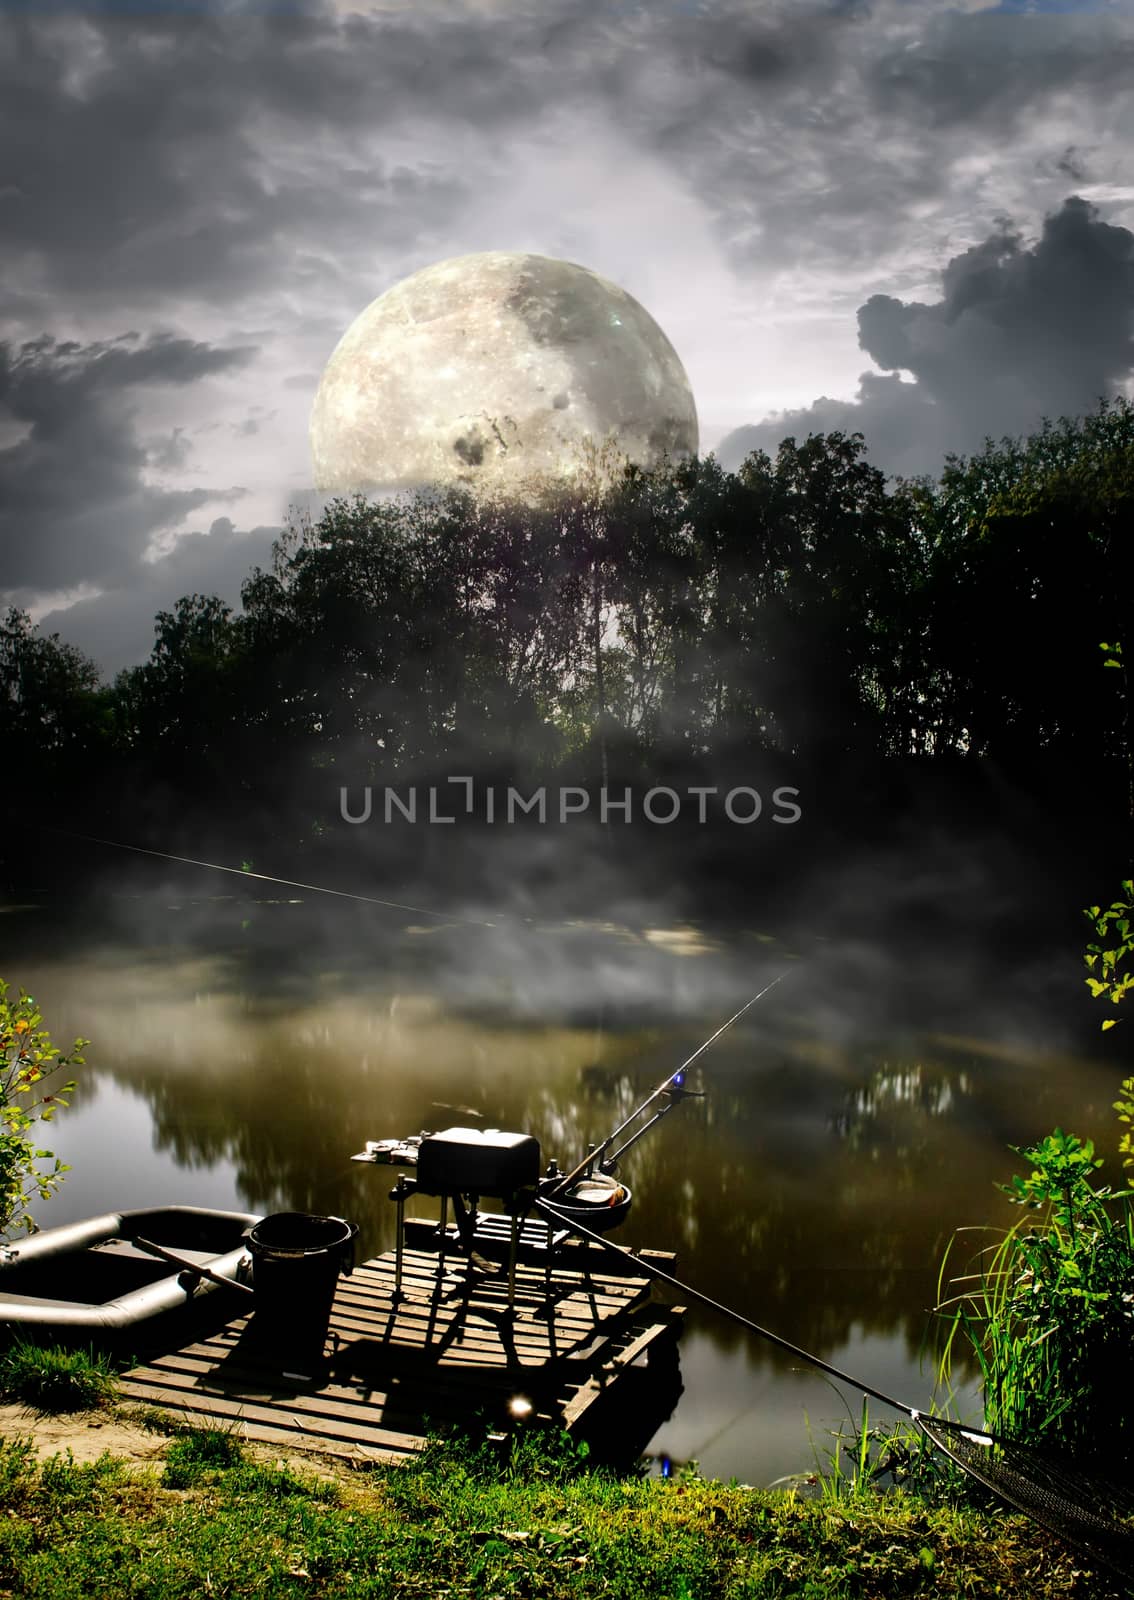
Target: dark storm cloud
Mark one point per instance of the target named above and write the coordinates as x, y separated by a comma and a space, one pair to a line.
986, 70
1019, 334
117, 628
1072, 165
815, 133
165, 153
73, 503
169, 152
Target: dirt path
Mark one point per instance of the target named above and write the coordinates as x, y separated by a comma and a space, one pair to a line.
87, 1434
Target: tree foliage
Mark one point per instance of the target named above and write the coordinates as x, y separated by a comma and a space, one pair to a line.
50, 698
801, 607
27, 1059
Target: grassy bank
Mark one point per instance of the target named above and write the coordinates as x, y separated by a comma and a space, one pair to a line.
209, 1521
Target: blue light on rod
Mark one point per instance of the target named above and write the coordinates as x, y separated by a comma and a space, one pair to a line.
678, 1079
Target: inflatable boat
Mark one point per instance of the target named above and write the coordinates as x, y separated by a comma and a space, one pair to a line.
123, 1267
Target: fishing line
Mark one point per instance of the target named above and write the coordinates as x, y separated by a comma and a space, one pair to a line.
266, 877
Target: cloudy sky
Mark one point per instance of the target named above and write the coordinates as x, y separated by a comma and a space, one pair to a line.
892, 216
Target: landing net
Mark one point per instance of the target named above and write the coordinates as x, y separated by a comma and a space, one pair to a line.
1093, 1513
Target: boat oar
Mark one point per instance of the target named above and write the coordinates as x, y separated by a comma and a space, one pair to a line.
191, 1266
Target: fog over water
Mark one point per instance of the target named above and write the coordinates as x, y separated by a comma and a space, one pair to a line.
245, 1047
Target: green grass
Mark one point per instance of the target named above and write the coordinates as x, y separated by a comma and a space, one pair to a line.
53, 1379
194, 1455
467, 1521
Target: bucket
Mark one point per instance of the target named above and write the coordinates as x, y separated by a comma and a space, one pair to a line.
296, 1261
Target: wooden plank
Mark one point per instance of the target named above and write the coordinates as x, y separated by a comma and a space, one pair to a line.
422, 1278
315, 1423
579, 1257
459, 1301
423, 1238
580, 1404
281, 1431
424, 1269
479, 1316
443, 1338
490, 1330
226, 1362
187, 1387
413, 1321
209, 1357
493, 1292
407, 1391
599, 1383
314, 1412
479, 1321
490, 1335
646, 1338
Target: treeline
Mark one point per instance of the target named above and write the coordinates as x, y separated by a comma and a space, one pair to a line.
797, 617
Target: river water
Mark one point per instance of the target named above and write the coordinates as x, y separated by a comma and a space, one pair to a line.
243, 1049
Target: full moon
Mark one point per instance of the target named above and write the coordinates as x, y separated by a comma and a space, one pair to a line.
494, 371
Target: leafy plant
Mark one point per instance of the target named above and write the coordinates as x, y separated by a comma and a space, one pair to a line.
1109, 962
1125, 1109
48, 1378
1049, 1313
27, 1057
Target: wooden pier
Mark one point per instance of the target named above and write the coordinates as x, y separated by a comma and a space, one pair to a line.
449, 1351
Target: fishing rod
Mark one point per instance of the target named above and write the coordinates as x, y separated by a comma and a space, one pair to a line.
687, 1291
671, 1087
1092, 1513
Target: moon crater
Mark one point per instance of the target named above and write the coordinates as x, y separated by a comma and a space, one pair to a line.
491, 370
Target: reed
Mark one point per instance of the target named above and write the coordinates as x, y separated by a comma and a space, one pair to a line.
1048, 1311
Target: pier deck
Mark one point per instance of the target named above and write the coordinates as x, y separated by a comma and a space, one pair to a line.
447, 1352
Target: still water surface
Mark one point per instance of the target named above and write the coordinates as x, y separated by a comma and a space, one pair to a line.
243, 1050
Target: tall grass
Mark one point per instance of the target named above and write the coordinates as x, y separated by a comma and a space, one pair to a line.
868, 1458
1048, 1311
51, 1378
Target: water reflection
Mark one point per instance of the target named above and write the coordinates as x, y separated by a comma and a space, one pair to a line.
814, 1188
893, 1093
